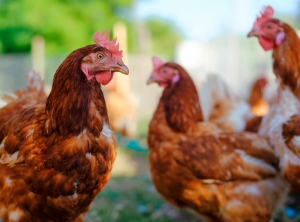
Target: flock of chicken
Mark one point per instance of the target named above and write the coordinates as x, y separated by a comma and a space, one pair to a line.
57, 152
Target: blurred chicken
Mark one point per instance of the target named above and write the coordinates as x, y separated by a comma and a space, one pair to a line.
226, 176
281, 125
56, 153
259, 106
121, 110
225, 108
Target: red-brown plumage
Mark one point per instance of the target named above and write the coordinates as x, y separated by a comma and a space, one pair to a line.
223, 175
259, 106
253, 124
290, 130
281, 124
57, 154
286, 59
174, 104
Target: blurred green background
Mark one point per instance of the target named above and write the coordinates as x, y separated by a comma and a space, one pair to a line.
69, 24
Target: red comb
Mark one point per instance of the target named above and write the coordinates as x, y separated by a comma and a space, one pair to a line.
266, 13
157, 63
103, 40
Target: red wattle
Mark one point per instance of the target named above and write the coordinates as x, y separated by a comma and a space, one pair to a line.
266, 44
104, 77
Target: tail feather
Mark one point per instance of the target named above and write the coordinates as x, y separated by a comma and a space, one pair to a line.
212, 91
34, 82
34, 85
32, 94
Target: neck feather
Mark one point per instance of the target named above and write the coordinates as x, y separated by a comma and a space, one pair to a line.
181, 103
286, 58
75, 103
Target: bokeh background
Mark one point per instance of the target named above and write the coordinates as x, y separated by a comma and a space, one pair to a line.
203, 36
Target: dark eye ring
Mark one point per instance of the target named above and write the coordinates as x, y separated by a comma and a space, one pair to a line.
100, 56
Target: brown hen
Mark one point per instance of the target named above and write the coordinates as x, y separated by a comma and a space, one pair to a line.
259, 106
56, 153
225, 176
281, 124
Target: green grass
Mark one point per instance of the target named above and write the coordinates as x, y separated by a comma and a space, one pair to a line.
130, 196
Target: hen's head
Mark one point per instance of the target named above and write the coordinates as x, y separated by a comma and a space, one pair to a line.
163, 74
103, 60
268, 30
261, 82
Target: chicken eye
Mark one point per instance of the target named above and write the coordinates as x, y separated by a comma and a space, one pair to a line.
165, 71
269, 26
100, 56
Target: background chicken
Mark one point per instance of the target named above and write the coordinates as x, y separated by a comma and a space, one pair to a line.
281, 124
56, 154
222, 106
122, 110
226, 176
259, 106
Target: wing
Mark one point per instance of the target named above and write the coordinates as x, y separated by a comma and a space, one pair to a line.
20, 128
253, 124
291, 134
227, 156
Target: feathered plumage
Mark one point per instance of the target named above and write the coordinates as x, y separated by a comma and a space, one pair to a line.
223, 107
280, 125
227, 176
56, 153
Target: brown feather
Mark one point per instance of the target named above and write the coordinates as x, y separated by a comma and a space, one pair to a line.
286, 58
253, 124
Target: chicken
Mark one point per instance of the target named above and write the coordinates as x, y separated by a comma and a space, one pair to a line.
221, 106
56, 153
281, 124
122, 111
226, 176
259, 106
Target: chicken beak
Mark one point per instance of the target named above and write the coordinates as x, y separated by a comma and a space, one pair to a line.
252, 33
121, 67
151, 80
